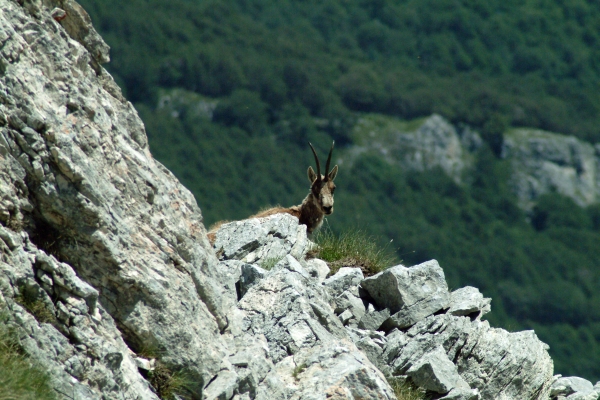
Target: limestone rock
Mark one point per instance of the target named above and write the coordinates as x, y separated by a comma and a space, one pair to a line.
343, 280
318, 269
411, 294
250, 275
77, 178
431, 143
544, 162
462, 394
290, 310
496, 362
62, 327
573, 387
435, 372
373, 318
468, 301
262, 240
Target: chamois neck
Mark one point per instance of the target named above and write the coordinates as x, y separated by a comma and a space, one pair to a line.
311, 214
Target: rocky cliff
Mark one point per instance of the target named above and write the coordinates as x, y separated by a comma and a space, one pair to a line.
542, 162
108, 281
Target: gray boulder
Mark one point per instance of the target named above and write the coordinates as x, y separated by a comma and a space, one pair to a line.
373, 318
77, 179
411, 294
250, 275
462, 394
350, 302
311, 351
496, 362
343, 280
262, 240
62, 327
468, 301
573, 387
317, 268
435, 372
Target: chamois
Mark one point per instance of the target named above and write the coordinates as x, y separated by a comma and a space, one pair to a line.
314, 207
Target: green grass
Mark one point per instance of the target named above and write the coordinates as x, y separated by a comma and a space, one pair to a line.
406, 390
353, 248
298, 370
36, 307
168, 384
20, 379
269, 263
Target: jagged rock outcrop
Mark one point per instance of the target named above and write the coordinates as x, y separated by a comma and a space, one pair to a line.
77, 182
420, 145
106, 270
545, 162
442, 346
542, 162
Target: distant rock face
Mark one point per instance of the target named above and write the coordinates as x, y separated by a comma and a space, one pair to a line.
544, 162
432, 143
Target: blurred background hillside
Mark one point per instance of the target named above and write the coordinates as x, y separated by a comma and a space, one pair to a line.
231, 91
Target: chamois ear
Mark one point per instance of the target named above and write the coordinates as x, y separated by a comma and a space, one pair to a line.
311, 175
333, 173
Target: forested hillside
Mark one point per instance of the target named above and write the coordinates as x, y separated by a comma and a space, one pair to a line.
231, 91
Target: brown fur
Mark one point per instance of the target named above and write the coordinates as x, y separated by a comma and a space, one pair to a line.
314, 207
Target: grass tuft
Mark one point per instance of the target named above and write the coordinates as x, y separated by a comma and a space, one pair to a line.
353, 248
269, 263
169, 385
406, 390
298, 370
37, 308
19, 378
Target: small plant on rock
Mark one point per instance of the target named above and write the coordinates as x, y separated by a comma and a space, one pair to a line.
269, 263
168, 384
34, 304
353, 248
406, 390
298, 370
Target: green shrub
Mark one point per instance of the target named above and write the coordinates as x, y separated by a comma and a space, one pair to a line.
353, 248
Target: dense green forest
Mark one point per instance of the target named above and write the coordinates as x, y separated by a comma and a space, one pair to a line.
249, 82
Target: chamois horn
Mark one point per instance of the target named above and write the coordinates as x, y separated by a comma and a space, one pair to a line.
328, 162
317, 161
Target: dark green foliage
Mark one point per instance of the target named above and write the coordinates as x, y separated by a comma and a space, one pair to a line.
491, 64
243, 109
285, 72
555, 211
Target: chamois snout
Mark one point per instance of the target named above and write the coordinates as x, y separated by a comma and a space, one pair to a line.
328, 210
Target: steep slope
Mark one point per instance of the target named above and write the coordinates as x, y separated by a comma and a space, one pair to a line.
80, 187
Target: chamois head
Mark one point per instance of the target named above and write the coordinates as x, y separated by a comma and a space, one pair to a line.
322, 186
